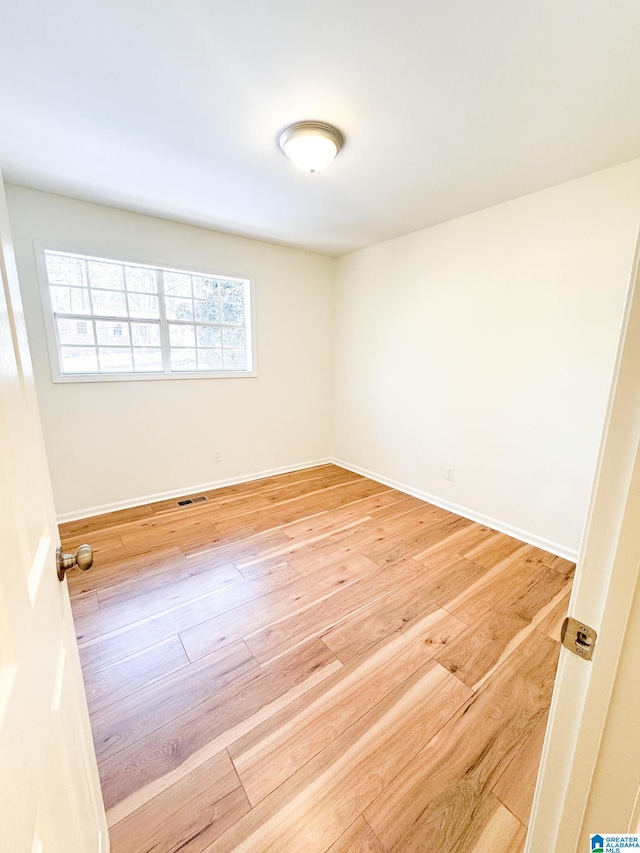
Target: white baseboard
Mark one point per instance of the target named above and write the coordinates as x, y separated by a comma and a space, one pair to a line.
516, 532
88, 512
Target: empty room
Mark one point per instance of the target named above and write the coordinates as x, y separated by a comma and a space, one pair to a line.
319, 427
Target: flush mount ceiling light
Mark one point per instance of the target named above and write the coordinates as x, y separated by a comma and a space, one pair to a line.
311, 145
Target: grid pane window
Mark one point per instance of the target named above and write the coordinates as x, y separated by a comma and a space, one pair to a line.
210, 359
121, 319
209, 336
145, 334
183, 358
79, 359
109, 333
115, 359
183, 335
66, 270
73, 332
143, 305
177, 284
108, 303
179, 309
141, 280
105, 276
147, 359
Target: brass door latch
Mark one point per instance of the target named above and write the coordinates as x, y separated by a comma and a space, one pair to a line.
578, 638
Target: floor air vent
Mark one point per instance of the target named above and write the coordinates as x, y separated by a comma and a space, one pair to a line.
192, 500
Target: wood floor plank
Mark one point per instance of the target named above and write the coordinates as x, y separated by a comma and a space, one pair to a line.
226, 495
378, 668
324, 553
493, 550
472, 654
369, 535
333, 518
451, 546
188, 816
292, 547
277, 638
516, 786
283, 492
397, 508
304, 506
166, 748
449, 776
502, 834
552, 623
200, 534
146, 792
425, 533
157, 579
208, 635
124, 568
141, 634
313, 477
153, 706
189, 526
520, 638
119, 679
532, 596
103, 521
274, 751
386, 617
315, 806
84, 602
359, 838
386, 533
305, 531
243, 551
150, 603
444, 582
560, 564
510, 578
101, 540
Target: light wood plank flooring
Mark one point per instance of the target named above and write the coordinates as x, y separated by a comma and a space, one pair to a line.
315, 662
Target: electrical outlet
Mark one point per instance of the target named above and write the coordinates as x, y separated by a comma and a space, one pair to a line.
217, 456
450, 473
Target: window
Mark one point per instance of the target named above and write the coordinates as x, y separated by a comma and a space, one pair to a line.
112, 319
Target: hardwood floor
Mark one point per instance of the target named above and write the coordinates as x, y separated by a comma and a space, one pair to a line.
315, 662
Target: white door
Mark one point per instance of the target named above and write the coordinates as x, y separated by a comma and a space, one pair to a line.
589, 779
50, 797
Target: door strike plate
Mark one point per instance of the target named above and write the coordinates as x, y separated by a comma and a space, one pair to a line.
578, 638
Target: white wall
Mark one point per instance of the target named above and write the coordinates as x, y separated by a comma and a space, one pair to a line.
115, 442
487, 344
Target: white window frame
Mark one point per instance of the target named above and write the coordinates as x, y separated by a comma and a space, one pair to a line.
166, 373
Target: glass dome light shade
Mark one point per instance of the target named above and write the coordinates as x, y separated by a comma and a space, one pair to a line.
311, 145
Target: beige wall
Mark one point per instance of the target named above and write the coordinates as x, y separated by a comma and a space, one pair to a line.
115, 442
487, 344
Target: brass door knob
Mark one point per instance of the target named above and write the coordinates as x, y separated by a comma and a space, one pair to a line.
83, 559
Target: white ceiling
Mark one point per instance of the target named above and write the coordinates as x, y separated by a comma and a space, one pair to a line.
172, 107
